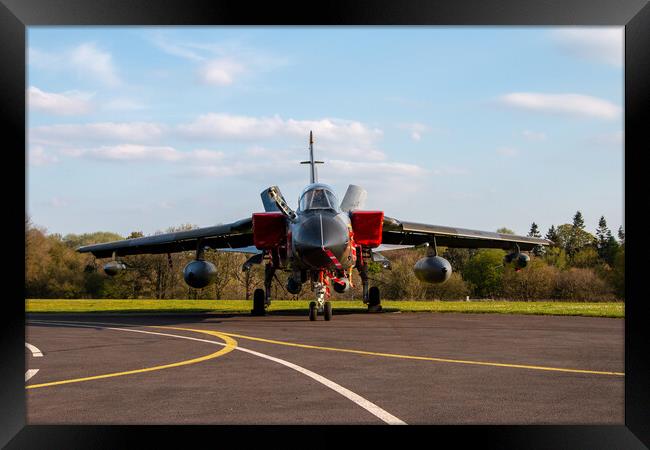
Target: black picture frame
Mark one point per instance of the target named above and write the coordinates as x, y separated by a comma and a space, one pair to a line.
16, 15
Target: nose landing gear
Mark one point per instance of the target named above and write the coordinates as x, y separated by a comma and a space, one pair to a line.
326, 310
322, 304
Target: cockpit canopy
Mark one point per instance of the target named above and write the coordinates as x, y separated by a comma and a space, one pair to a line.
318, 196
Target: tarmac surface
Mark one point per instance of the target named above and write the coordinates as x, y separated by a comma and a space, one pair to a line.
387, 368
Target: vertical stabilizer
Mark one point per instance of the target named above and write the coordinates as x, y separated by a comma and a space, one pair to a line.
313, 174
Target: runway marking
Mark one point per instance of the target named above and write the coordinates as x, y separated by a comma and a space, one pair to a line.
229, 345
36, 353
375, 410
356, 398
392, 355
427, 358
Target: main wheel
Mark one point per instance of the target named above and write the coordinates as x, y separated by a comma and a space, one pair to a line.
313, 311
374, 301
327, 311
258, 302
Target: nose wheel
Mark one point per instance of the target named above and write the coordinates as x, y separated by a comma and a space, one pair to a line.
326, 311
321, 305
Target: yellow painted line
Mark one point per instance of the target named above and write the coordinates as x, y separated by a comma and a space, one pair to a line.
360, 401
230, 345
426, 358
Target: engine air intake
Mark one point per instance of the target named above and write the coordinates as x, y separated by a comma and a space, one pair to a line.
367, 227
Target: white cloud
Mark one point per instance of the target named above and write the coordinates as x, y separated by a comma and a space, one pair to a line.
37, 156
572, 104
221, 63
507, 151
604, 44
226, 126
340, 167
533, 135
220, 72
175, 49
131, 152
222, 170
295, 155
333, 137
86, 60
416, 129
70, 134
233, 127
64, 103
268, 153
377, 168
89, 60
324, 152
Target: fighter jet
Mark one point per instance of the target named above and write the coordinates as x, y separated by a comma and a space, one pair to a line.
319, 244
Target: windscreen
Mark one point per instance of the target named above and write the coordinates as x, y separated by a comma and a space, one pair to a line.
318, 199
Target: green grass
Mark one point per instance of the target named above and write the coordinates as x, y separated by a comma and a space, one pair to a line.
591, 309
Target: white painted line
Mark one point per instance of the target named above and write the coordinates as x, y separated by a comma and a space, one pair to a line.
373, 409
36, 353
30, 373
78, 324
356, 398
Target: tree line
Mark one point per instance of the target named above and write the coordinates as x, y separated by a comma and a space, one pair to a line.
579, 266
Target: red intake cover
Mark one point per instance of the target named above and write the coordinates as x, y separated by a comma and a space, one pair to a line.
269, 230
367, 226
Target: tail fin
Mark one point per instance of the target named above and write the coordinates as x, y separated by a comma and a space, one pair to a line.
313, 174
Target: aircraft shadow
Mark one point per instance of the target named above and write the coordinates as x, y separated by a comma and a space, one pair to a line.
132, 317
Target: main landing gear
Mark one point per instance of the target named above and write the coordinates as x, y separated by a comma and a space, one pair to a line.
258, 303
374, 302
370, 295
262, 297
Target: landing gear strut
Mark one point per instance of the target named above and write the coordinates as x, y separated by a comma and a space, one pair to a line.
322, 304
370, 295
262, 297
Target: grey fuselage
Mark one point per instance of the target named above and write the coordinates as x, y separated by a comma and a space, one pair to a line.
319, 231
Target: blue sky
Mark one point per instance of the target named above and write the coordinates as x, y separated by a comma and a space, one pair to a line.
143, 128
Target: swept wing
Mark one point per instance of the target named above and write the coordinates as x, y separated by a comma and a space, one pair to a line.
233, 235
398, 232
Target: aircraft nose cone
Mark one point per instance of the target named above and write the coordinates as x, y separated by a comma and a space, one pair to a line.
318, 231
